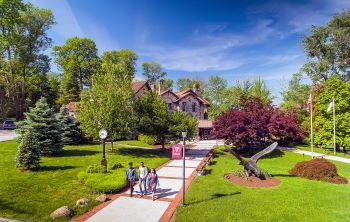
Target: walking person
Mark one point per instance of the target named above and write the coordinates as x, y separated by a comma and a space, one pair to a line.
142, 178
153, 182
131, 177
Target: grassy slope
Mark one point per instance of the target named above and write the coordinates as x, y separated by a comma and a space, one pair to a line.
327, 150
212, 198
32, 196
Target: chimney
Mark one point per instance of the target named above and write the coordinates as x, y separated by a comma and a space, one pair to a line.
196, 88
160, 86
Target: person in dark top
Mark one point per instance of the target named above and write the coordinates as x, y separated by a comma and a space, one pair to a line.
131, 177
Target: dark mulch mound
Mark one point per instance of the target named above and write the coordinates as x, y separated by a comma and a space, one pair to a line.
318, 169
252, 181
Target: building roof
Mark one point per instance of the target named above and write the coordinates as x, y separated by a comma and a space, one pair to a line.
205, 124
71, 106
190, 91
169, 91
137, 86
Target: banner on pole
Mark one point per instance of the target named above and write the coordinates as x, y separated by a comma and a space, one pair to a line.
176, 152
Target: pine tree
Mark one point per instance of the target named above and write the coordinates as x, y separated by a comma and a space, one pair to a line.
41, 122
70, 132
28, 154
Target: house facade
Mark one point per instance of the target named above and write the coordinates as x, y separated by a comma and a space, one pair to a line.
189, 101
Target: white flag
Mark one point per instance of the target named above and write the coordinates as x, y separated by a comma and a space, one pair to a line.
330, 106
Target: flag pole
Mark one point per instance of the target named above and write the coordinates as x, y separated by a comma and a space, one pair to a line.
311, 125
334, 144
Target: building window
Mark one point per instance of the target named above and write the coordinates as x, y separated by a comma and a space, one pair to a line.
205, 116
170, 106
184, 108
194, 107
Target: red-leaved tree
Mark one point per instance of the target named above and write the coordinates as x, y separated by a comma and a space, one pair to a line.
256, 124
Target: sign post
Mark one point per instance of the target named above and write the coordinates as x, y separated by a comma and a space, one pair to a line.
184, 135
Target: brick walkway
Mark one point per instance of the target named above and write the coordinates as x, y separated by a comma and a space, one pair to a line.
125, 208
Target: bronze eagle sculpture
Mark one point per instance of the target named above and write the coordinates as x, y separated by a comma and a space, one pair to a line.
250, 165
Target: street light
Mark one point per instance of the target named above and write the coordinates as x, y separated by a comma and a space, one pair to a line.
184, 135
103, 135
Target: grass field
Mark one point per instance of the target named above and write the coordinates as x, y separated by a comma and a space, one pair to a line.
32, 196
212, 198
326, 150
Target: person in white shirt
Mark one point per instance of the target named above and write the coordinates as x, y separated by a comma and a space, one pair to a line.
142, 178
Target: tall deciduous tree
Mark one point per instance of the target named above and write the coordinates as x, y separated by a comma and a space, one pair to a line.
335, 87
78, 60
23, 40
152, 116
218, 94
153, 71
187, 83
109, 102
327, 48
180, 121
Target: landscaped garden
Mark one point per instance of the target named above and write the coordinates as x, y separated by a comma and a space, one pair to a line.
213, 198
32, 196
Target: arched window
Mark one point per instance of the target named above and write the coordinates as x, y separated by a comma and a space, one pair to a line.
205, 116
194, 107
184, 108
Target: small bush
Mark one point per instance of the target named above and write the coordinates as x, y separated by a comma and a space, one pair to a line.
116, 166
104, 182
318, 169
150, 140
94, 169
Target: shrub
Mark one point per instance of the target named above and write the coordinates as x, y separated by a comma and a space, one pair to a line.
318, 169
94, 169
116, 166
28, 154
104, 182
148, 139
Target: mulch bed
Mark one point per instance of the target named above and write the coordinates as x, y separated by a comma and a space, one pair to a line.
252, 181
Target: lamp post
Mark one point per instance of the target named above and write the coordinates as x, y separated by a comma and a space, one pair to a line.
184, 135
103, 135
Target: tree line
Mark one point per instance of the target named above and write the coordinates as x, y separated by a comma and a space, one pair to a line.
327, 50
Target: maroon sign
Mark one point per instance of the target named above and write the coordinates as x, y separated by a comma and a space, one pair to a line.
176, 152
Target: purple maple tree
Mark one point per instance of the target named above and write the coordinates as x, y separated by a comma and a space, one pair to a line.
256, 124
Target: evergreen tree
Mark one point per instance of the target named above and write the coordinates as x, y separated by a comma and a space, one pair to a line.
70, 133
28, 154
41, 122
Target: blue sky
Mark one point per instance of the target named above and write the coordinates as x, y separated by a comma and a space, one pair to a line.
237, 40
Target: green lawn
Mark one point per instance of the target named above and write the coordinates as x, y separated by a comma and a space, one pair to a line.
135, 143
212, 198
326, 150
32, 196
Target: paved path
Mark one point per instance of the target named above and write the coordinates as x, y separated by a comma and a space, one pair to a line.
309, 153
7, 135
129, 209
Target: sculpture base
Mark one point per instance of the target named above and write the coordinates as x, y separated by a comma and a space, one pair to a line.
252, 181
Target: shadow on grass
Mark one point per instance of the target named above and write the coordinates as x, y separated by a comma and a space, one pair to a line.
139, 152
53, 168
283, 175
6, 205
275, 154
69, 153
215, 196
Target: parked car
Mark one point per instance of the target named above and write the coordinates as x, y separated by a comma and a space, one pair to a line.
9, 125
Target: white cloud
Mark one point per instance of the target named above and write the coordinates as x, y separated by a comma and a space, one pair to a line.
209, 48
